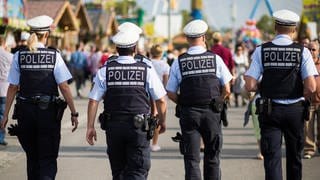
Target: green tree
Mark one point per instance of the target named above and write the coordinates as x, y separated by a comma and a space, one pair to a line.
265, 24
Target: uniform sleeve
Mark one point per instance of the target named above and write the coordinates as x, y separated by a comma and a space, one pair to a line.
99, 87
61, 72
174, 77
255, 68
154, 85
223, 72
14, 73
307, 66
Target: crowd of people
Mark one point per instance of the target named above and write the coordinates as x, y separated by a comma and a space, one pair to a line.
134, 88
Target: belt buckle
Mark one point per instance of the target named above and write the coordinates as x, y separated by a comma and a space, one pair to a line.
36, 98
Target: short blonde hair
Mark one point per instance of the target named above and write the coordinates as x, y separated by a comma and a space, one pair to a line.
156, 50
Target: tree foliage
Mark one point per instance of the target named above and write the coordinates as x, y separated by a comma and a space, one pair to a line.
265, 24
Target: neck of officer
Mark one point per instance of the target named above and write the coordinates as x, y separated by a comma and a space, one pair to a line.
43, 41
286, 30
199, 41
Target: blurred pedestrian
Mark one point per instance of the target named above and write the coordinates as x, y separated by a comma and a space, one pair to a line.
241, 63
223, 52
287, 72
38, 108
126, 85
162, 68
78, 65
203, 80
312, 138
5, 63
22, 43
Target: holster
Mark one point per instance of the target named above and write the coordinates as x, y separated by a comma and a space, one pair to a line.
16, 110
153, 124
263, 106
61, 106
306, 110
216, 104
223, 114
178, 111
146, 123
103, 119
178, 138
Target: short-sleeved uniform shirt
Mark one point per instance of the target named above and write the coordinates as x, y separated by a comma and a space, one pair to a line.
60, 71
175, 78
154, 86
307, 65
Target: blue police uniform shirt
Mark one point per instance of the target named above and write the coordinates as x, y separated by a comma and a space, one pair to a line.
307, 65
153, 83
175, 78
60, 71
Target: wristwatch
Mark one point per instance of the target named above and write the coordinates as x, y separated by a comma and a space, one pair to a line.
76, 114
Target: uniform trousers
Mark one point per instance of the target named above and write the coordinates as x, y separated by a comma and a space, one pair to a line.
196, 122
128, 149
312, 140
286, 120
39, 136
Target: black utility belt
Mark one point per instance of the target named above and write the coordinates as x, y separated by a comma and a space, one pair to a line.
297, 104
145, 122
38, 99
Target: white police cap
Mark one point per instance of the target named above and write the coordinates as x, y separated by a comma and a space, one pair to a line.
125, 39
128, 26
24, 36
40, 23
195, 28
285, 17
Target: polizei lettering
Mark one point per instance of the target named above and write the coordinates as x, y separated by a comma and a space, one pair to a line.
281, 56
193, 65
37, 60
126, 76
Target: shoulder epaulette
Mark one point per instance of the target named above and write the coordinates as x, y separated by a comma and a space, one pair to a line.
143, 59
112, 58
53, 48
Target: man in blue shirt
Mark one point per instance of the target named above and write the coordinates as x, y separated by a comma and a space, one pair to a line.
287, 71
203, 80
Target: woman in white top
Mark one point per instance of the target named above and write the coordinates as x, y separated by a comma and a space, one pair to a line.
162, 69
241, 63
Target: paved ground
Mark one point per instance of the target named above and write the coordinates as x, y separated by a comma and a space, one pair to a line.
79, 161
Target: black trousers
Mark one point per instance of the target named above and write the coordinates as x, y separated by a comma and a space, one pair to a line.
128, 149
196, 123
40, 139
286, 120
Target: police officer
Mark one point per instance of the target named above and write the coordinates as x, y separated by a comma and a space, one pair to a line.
38, 72
202, 78
125, 85
287, 72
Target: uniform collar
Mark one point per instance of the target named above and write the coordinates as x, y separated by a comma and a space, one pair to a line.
282, 39
40, 45
196, 50
125, 59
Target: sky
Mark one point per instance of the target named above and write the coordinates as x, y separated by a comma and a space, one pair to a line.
218, 13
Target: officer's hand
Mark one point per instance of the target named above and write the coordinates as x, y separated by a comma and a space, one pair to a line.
162, 127
91, 135
4, 122
75, 122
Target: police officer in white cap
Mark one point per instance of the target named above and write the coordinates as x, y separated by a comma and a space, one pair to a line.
203, 80
38, 72
287, 72
125, 85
